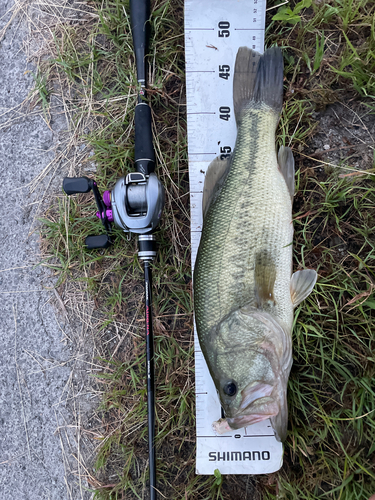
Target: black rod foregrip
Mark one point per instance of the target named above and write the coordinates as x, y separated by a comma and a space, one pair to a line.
73, 185
150, 373
144, 154
139, 17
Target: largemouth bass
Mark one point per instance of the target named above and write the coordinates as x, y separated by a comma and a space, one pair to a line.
244, 290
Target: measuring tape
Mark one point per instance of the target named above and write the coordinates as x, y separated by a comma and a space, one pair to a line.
214, 30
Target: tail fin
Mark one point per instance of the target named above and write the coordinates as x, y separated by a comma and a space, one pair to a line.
258, 78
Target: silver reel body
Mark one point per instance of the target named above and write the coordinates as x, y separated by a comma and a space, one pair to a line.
137, 202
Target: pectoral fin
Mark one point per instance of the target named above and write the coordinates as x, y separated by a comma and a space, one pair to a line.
286, 166
301, 285
215, 177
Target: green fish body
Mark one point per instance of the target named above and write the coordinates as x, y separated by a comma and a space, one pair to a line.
244, 292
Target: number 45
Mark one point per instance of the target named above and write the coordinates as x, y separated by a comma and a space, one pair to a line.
224, 71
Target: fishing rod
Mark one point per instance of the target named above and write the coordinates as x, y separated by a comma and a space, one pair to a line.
135, 205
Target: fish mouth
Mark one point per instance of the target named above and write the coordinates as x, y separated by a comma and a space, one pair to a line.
224, 425
250, 399
246, 420
257, 404
255, 392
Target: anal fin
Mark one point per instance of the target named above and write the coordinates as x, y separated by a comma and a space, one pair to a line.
286, 165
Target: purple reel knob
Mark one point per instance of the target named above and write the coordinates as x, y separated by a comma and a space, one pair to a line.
108, 213
107, 198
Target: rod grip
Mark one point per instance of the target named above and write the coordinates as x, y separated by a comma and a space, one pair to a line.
144, 154
139, 16
73, 185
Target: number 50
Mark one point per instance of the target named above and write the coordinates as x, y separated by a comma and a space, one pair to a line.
224, 29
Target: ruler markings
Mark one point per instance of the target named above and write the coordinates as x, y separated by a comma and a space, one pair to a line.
207, 92
258, 435
222, 436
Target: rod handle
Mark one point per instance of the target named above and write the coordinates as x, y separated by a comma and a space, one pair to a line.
144, 154
139, 17
73, 185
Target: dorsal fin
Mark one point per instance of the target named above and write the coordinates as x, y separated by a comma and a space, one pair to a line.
215, 177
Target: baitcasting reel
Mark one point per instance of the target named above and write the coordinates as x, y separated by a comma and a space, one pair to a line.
135, 205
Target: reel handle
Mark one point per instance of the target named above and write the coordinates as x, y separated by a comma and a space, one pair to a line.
100, 241
74, 185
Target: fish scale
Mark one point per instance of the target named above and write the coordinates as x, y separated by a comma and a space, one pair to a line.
255, 213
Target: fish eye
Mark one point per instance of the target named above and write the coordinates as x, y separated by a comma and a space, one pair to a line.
230, 388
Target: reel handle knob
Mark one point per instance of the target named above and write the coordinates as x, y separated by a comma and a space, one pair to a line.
73, 185
100, 241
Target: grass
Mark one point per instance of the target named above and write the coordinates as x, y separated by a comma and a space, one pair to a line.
329, 50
